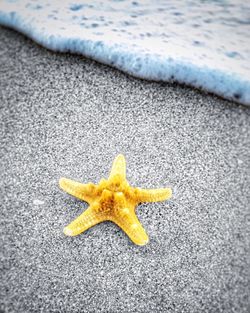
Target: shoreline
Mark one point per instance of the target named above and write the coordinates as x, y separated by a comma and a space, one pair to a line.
229, 86
173, 83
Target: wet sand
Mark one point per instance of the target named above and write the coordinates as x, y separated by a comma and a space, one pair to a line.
64, 115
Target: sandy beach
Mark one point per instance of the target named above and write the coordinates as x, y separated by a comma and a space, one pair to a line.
64, 115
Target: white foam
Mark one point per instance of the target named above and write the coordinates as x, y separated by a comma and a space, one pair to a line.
205, 44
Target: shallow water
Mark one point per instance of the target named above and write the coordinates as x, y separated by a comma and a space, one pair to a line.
205, 44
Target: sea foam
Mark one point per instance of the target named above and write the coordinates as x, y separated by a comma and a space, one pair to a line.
205, 44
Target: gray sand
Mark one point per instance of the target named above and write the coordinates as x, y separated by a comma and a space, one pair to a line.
63, 115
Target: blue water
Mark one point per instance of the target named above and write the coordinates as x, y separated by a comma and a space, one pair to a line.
205, 44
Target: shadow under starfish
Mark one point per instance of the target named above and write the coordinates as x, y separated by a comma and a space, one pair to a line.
112, 200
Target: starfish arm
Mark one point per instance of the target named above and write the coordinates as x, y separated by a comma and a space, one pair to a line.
118, 167
83, 222
84, 192
152, 195
129, 223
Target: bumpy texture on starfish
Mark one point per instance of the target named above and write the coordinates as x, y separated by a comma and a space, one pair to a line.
112, 200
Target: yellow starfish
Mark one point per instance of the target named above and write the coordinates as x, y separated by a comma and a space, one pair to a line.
112, 200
